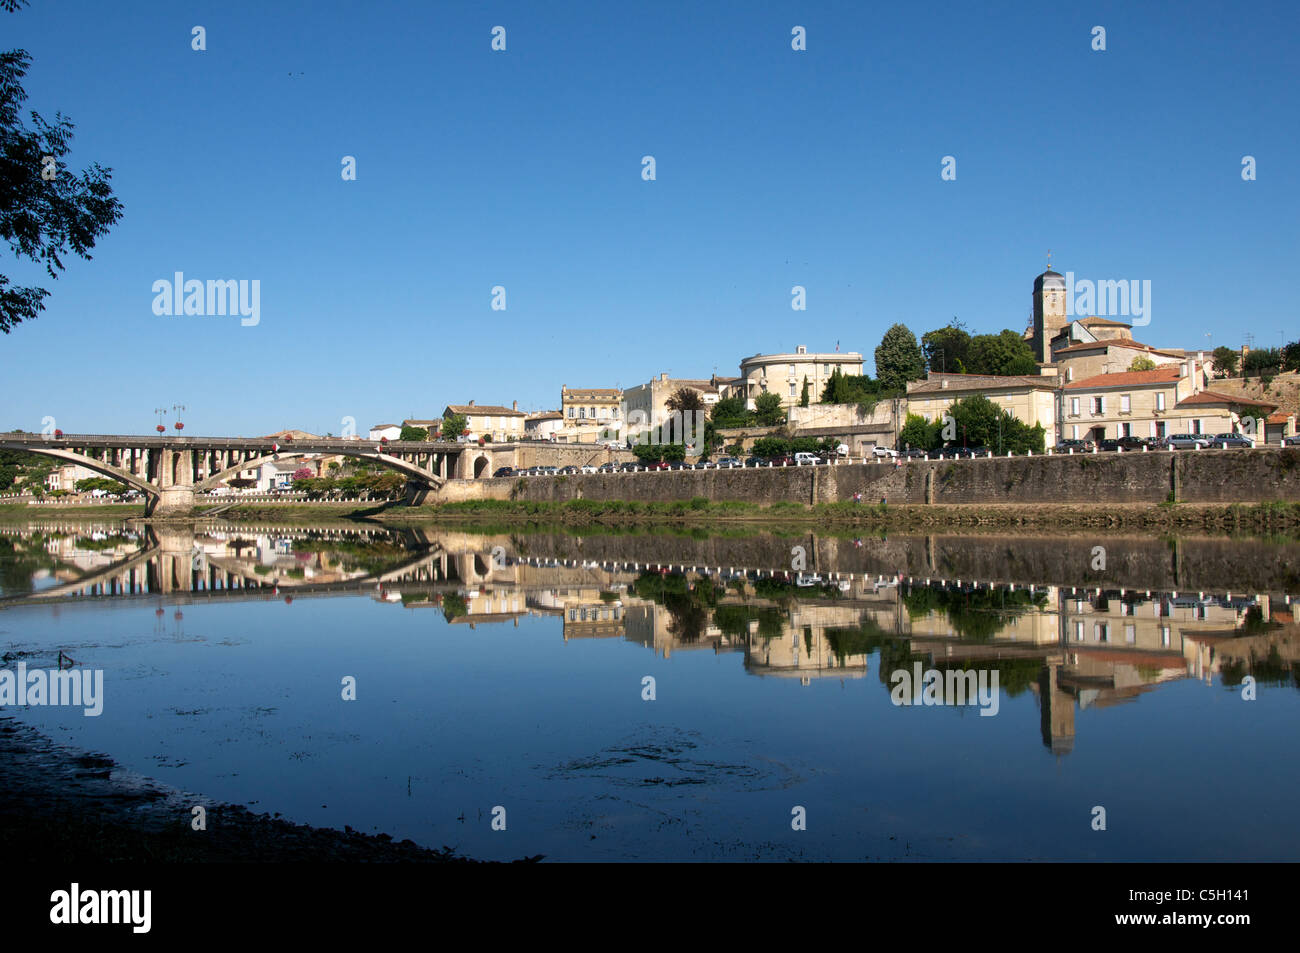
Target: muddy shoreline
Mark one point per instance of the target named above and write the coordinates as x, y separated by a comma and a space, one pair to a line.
82, 807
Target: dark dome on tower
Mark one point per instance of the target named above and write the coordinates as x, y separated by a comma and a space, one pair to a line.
1049, 279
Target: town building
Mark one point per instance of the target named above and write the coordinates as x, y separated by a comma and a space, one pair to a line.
591, 415
647, 404
491, 421
382, 431
784, 374
546, 425
1172, 399
1029, 398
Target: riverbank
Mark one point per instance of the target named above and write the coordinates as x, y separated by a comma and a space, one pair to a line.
82, 807
1270, 517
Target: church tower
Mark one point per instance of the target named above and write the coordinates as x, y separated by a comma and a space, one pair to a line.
1049, 313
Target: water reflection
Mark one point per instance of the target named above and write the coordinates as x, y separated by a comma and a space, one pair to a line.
1073, 644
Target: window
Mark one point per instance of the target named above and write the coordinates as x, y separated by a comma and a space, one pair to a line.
582, 413
792, 370
1124, 430
1164, 635
1074, 408
1078, 631
792, 393
1074, 431
826, 370
571, 412
1125, 404
1160, 400
615, 413
1098, 406
1130, 634
1069, 374
1196, 426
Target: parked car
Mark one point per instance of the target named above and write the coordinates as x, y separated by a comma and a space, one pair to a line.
504, 472
1186, 441
629, 467
1078, 446
586, 468
912, 454
806, 459
706, 465
729, 463
570, 470
1291, 441
883, 453
783, 460
607, 468
755, 462
1126, 444
1228, 441
660, 465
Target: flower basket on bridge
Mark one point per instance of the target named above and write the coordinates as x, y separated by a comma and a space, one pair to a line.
58, 433
161, 429
179, 425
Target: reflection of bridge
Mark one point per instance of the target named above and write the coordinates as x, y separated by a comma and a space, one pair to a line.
170, 470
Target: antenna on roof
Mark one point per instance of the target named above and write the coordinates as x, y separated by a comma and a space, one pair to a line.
1049, 259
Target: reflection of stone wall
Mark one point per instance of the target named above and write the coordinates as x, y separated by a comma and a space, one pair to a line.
1136, 562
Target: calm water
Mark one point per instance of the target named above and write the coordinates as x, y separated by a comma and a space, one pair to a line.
508, 670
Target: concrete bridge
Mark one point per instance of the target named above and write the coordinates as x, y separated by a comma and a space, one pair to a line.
170, 470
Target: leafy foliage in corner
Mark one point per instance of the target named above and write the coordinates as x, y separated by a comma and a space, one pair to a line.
43, 219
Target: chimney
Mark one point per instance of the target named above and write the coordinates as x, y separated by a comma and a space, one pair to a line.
663, 376
943, 382
514, 405
471, 403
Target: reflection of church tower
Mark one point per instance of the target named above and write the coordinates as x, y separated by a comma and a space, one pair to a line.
1056, 709
1049, 313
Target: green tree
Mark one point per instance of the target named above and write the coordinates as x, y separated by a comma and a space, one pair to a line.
46, 210
1001, 355
899, 359
947, 348
684, 399
982, 423
731, 412
803, 397
1225, 361
917, 434
768, 411
1264, 361
453, 425
1291, 357
1142, 363
414, 434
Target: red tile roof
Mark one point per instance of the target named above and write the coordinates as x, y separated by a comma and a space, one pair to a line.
1210, 397
1161, 375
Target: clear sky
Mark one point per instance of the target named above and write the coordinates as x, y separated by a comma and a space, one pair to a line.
522, 169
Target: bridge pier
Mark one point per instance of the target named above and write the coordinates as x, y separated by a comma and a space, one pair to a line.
172, 501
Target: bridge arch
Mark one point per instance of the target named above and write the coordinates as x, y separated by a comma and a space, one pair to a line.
480, 465
409, 470
90, 463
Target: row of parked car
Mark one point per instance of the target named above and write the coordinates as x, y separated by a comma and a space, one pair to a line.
1180, 441
1223, 441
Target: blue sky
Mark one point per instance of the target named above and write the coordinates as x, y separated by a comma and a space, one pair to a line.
522, 168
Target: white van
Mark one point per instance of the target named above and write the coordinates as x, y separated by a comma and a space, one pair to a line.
806, 459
